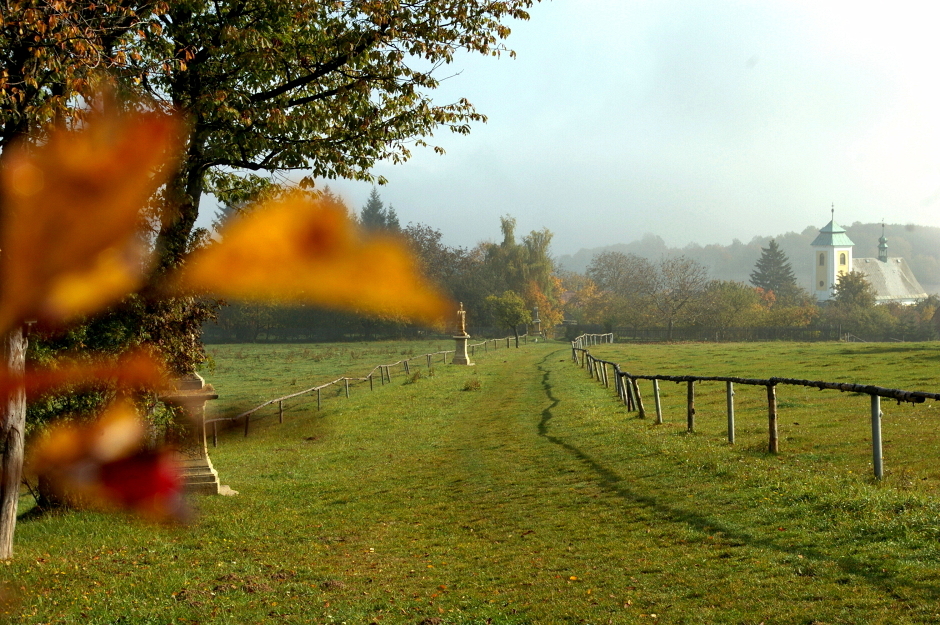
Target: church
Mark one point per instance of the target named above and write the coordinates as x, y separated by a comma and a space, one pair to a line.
891, 278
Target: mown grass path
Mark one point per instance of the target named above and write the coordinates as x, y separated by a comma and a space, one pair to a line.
536, 499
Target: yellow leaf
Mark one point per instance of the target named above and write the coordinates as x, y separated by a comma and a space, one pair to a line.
69, 234
300, 249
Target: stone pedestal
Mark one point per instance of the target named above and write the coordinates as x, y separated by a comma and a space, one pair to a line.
189, 436
460, 354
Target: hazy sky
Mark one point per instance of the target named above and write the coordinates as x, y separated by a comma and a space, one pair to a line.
695, 121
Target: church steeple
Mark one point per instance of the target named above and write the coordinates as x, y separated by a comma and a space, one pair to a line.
883, 245
832, 257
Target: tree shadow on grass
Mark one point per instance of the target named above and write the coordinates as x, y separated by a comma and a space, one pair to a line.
614, 483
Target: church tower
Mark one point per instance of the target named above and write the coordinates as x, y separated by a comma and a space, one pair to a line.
883, 245
832, 249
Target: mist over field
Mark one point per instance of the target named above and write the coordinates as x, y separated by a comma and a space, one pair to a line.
920, 245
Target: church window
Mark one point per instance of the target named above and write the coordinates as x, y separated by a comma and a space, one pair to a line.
822, 260
842, 258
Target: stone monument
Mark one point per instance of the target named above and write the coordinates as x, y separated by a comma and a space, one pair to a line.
461, 338
536, 322
189, 435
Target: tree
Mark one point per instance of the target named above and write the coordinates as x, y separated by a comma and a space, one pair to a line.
51, 54
773, 272
629, 282
854, 290
509, 310
727, 304
525, 268
324, 88
679, 283
374, 215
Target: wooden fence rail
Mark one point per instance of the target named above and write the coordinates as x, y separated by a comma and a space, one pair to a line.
629, 393
384, 372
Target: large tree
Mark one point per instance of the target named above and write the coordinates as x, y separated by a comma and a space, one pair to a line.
325, 88
680, 283
773, 272
627, 282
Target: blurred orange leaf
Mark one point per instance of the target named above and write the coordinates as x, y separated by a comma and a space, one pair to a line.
69, 235
300, 249
103, 464
131, 371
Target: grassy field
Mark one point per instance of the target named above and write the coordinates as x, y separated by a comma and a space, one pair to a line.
534, 499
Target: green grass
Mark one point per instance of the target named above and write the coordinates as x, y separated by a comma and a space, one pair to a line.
534, 499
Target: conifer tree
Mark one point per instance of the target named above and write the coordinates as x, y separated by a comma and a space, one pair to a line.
375, 216
372, 216
773, 272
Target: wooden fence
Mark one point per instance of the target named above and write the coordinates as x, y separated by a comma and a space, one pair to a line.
628, 391
384, 372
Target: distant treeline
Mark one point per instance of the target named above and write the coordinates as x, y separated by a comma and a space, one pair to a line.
920, 245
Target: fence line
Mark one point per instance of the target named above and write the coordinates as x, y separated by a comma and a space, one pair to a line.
629, 393
384, 372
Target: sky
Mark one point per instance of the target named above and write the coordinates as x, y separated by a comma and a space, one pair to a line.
695, 121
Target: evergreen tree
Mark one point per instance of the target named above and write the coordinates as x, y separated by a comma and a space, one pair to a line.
372, 216
375, 216
391, 220
773, 272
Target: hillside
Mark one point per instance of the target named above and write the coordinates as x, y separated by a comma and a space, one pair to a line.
920, 245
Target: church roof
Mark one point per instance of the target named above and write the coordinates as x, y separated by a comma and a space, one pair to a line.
893, 280
832, 234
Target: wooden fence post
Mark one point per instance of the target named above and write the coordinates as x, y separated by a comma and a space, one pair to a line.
690, 414
659, 406
371, 387
407, 368
318, 399
774, 445
877, 460
388, 372
429, 361
280, 412
639, 398
729, 396
346, 380
247, 416
631, 405
604, 374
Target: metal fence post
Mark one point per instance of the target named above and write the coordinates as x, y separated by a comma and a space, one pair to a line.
877, 459
729, 392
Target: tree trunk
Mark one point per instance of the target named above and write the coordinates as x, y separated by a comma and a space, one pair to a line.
12, 427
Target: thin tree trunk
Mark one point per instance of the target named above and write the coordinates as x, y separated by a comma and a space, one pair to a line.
12, 427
